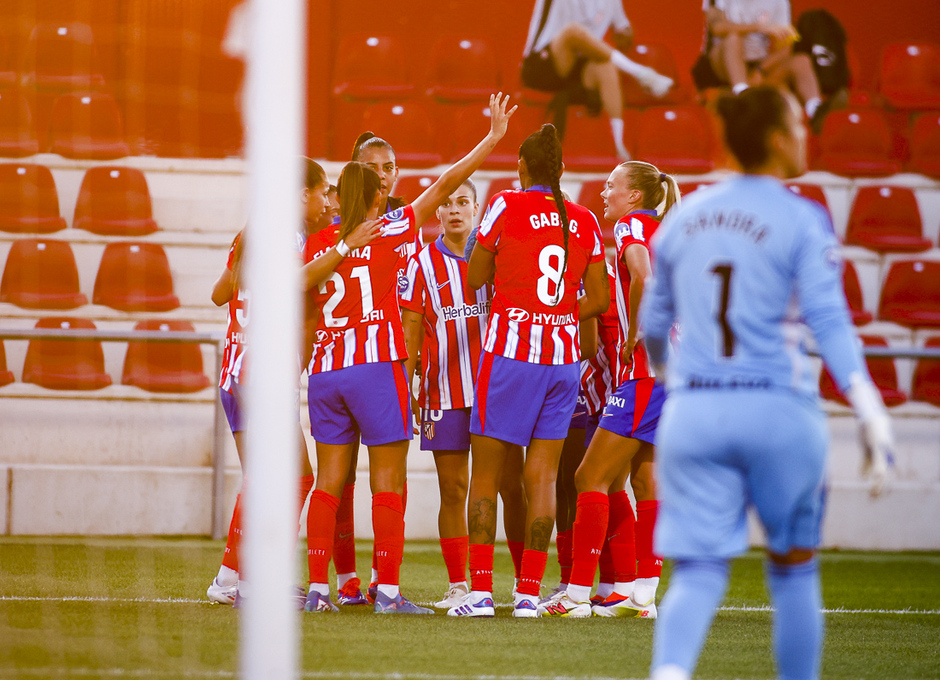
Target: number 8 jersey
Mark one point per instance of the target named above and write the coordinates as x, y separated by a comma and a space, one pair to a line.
360, 322
534, 317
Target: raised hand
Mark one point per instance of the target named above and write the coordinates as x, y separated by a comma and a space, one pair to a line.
499, 116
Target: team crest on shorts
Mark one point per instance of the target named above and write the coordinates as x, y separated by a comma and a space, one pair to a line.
429, 431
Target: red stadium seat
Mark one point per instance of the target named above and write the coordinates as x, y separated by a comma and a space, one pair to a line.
857, 143
590, 198
41, 274
812, 191
462, 69
61, 58
135, 277
409, 188
883, 373
29, 203
676, 139
910, 294
925, 145
473, 121
689, 187
65, 364
926, 383
886, 219
164, 366
853, 295
17, 130
6, 377
910, 75
497, 185
114, 201
589, 146
88, 125
659, 58
8, 67
407, 127
369, 66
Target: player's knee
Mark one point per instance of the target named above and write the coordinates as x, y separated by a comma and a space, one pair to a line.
794, 556
644, 488
453, 492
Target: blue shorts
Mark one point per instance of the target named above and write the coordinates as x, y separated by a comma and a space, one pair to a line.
371, 400
633, 409
590, 428
445, 430
233, 409
517, 402
579, 419
720, 451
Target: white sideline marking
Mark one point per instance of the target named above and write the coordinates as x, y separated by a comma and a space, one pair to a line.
186, 600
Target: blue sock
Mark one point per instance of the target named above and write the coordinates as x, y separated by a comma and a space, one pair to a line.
696, 588
798, 619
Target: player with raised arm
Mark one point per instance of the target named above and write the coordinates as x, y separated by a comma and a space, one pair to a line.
623, 443
739, 267
357, 381
539, 248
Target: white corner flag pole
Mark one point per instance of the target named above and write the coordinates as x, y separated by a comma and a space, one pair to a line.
274, 128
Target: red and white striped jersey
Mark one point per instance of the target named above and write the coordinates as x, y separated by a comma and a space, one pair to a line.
637, 227
236, 337
597, 373
455, 318
534, 317
360, 322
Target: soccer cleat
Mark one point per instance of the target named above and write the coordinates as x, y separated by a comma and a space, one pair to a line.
454, 596
560, 588
596, 599
397, 605
474, 604
350, 593
319, 603
219, 594
618, 605
525, 608
562, 605
371, 591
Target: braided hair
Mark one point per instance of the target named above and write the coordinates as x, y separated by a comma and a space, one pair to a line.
541, 152
369, 140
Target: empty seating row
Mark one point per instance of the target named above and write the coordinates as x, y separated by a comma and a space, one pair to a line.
79, 364
112, 201
132, 277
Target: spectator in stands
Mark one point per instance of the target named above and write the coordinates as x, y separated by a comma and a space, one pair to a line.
565, 53
752, 43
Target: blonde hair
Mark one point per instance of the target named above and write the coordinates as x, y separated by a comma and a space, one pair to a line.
657, 187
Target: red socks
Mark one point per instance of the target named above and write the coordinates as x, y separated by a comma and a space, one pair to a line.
481, 567
321, 520
388, 522
455, 551
515, 551
303, 490
344, 538
649, 565
563, 550
533, 569
230, 558
589, 531
621, 534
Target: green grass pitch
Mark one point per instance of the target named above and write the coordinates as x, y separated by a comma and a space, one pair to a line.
138, 610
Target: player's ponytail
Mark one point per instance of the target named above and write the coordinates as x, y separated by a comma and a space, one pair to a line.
358, 186
542, 154
657, 187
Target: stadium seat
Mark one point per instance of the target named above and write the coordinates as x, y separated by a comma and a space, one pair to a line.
659, 58
910, 75
135, 277
6, 377
462, 69
8, 67
590, 198
813, 191
29, 203
676, 139
857, 143
41, 274
497, 185
853, 295
925, 145
910, 294
164, 366
407, 127
61, 58
372, 67
17, 130
589, 145
689, 187
88, 125
926, 382
472, 122
114, 201
883, 373
409, 187
886, 219
65, 364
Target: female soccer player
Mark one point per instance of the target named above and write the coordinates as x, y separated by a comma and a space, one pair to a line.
738, 266
539, 248
357, 381
623, 443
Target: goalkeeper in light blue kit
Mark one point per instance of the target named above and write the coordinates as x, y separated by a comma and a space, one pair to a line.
739, 266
